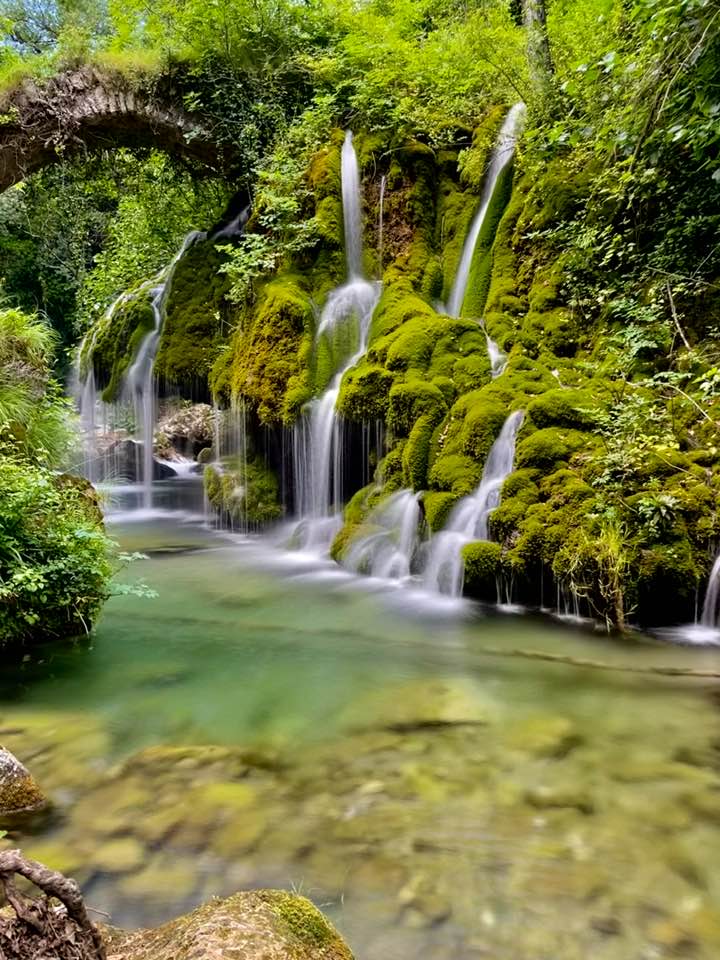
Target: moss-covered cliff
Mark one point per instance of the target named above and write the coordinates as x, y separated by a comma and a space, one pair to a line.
617, 464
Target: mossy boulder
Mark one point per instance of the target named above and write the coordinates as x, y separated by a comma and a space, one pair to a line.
483, 565
245, 493
115, 340
543, 448
263, 354
197, 311
255, 925
19, 794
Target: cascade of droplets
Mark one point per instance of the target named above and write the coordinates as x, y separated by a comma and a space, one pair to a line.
345, 325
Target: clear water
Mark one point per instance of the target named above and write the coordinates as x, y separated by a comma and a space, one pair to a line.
358, 745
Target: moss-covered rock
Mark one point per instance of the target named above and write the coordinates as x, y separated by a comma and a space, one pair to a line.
244, 493
483, 565
263, 353
257, 925
19, 794
196, 313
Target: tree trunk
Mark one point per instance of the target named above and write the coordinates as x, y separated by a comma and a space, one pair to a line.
538, 44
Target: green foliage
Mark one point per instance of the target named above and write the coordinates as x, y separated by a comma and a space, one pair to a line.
54, 560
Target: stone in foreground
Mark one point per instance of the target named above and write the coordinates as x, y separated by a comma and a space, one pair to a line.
19, 794
257, 925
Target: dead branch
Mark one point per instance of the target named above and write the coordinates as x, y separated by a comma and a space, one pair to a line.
63, 932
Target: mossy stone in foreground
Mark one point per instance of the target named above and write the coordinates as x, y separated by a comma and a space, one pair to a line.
257, 925
19, 794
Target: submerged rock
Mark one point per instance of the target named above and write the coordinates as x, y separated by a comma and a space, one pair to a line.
257, 925
19, 794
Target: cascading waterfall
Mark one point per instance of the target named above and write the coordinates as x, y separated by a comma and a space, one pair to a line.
709, 616
318, 446
140, 381
139, 391
501, 156
388, 550
469, 519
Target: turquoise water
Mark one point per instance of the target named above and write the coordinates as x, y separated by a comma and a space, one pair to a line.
354, 741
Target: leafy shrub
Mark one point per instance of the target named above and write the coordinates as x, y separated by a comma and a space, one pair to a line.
54, 560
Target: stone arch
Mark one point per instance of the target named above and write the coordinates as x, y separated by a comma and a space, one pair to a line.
42, 122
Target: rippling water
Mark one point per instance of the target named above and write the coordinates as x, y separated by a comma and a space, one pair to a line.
269, 720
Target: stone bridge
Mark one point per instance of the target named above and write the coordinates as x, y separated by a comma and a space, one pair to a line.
79, 111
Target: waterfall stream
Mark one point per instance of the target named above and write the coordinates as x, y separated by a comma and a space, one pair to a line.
709, 616
318, 442
388, 548
141, 383
501, 156
137, 394
469, 519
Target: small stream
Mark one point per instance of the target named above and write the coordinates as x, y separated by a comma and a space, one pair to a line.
269, 719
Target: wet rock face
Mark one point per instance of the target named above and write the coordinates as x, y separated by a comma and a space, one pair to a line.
257, 925
19, 794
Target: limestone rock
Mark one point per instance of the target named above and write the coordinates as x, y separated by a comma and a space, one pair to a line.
19, 794
257, 925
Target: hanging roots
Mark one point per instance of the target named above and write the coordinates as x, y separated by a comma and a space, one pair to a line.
55, 925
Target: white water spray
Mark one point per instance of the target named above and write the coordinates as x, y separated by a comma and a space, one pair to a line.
469, 519
389, 547
500, 158
709, 616
318, 446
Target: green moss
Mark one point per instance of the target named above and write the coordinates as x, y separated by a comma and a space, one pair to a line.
196, 313
566, 408
412, 399
398, 304
483, 565
543, 448
437, 507
416, 453
667, 582
480, 270
556, 331
365, 392
117, 339
244, 494
455, 472
265, 347
483, 423
303, 920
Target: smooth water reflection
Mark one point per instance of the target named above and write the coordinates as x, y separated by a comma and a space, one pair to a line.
269, 719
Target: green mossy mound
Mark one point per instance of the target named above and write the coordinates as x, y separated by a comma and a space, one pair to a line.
115, 340
256, 925
197, 312
263, 353
243, 494
483, 567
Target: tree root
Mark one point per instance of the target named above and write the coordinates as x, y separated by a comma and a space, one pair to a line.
41, 929
598, 664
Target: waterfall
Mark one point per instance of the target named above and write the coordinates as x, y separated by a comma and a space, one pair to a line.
352, 208
317, 442
388, 548
710, 606
501, 156
469, 519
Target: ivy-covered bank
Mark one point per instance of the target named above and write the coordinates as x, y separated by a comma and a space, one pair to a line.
612, 500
